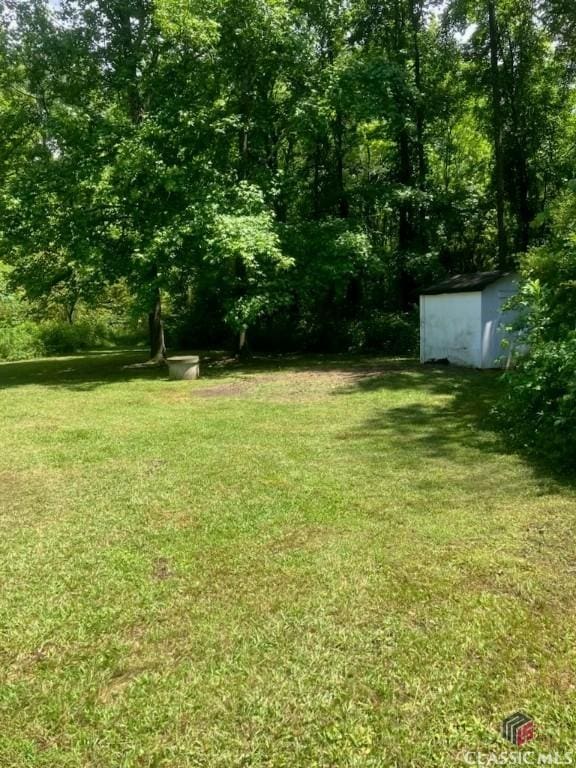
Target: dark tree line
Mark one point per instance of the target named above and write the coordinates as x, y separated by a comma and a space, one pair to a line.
290, 171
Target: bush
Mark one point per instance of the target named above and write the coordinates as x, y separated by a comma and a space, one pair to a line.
63, 338
20, 342
538, 410
24, 339
19, 336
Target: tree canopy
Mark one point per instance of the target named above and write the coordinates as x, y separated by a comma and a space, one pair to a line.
290, 169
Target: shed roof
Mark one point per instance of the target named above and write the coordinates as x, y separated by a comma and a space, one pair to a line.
474, 281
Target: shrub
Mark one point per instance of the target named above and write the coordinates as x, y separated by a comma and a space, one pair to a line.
20, 341
32, 328
63, 338
24, 339
19, 337
538, 409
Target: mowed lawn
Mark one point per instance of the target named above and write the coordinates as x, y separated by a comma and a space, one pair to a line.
309, 562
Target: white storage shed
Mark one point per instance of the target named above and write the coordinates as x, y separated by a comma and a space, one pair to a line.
462, 319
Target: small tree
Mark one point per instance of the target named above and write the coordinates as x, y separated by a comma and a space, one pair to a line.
244, 251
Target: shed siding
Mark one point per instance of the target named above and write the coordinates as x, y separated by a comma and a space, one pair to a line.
450, 328
494, 319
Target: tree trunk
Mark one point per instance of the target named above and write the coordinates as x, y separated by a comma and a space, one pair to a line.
497, 136
243, 349
245, 109
71, 311
405, 223
316, 204
525, 212
243, 152
405, 228
156, 330
419, 111
343, 206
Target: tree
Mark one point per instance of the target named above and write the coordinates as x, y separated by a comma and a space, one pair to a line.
267, 160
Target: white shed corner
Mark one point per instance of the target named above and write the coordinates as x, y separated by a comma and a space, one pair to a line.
462, 319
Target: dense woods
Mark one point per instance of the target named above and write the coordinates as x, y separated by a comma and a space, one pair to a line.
285, 173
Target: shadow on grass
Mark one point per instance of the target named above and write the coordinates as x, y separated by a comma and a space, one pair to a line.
441, 428
84, 371
456, 413
89, 370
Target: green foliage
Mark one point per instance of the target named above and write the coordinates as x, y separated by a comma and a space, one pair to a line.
538, 410
301, 166
334, 269
58, 337
28, 338
550, 270
20, 341
35, 328
13, 306
386, 332
243, 250
19, 336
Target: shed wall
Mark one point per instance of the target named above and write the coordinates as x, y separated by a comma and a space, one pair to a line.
450, 327
494, 319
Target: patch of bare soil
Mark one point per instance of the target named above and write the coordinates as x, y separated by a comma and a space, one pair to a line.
161, 570
120, 680
235, 389
278, 385
232, 389
306, 386
24, 492
300, 538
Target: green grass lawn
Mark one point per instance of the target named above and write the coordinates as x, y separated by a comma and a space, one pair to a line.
316, 562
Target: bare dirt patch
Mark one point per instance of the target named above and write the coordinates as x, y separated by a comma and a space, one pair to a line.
275, 383
161, 570
311, 537
290, 386
121, 680
308, 386
237, 389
